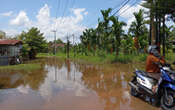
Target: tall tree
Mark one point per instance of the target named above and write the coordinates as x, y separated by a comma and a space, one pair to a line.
158, 10
138, 28
34, 42
117, 31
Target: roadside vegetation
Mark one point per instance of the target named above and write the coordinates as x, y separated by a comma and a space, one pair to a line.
110, 41
21, 67
98, 59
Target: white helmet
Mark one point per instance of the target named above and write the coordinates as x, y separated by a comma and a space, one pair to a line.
153, 49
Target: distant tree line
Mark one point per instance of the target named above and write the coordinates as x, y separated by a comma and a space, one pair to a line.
109, 37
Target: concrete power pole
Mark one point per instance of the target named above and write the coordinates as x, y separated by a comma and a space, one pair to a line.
54, 31
74, 44
67, 46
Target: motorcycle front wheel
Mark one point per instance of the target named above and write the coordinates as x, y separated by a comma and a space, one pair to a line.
134, 92
168, 102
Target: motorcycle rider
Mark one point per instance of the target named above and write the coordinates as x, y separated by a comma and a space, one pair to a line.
152, 68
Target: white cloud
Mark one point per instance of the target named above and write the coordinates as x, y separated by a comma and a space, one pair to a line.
7, 13
86, 13
21, 19
78, 13
43, 16
127, 13
64, 25
11, 32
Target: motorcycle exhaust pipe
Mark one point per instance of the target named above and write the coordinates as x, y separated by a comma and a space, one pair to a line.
133, 86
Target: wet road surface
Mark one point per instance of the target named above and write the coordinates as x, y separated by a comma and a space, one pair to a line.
66, 85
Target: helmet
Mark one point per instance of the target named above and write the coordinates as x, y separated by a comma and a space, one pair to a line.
153, 49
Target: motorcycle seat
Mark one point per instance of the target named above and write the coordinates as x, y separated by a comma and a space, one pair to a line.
146, 74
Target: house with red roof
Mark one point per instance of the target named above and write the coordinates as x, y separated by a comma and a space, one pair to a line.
10, 51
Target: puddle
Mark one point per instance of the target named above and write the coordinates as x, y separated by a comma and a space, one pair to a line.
66, 85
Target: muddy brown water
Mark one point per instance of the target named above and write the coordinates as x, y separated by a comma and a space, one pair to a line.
66, 85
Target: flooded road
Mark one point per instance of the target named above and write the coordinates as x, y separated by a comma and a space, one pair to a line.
66, 85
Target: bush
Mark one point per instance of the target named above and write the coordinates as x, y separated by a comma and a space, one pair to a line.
142, 57
101, 53
122, 58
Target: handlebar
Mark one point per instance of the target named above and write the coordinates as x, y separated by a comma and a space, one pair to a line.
161, 65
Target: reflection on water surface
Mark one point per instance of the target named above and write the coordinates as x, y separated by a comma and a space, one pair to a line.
67, 85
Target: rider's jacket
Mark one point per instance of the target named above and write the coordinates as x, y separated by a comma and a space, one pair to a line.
151, 67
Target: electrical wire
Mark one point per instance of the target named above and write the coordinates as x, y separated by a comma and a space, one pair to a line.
64, 11
127, 1
57, 11
72, 4
128, 8
117, 6
58, 7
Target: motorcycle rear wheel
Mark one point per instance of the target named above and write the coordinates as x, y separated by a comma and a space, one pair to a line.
168, 102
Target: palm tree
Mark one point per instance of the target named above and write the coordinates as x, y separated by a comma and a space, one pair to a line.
138, 28
127, 44
106, 17
158, 10
105, 26
117, 31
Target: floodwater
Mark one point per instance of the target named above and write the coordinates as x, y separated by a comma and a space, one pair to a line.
66, 85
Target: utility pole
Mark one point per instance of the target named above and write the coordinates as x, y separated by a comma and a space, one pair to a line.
54, 31
67, 46
163, 35
74, 44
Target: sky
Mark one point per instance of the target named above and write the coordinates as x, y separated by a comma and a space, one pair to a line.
67, 17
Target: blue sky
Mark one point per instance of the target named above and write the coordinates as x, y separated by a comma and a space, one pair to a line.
19, 15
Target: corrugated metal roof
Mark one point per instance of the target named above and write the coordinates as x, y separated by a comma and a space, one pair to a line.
58, 45
10, 42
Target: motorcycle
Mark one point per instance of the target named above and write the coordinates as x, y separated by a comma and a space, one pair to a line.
142, 85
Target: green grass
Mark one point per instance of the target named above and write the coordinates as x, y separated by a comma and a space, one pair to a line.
123, 58
44, 55
24, 67
107, 58
170, 57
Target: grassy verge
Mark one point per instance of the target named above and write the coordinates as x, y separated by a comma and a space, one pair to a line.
108, 58
24, 67
170, 57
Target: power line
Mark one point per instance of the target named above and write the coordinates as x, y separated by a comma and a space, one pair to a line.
128, 8
64, 11
127, 1
118, 5
72, 4
58, 7
123, 4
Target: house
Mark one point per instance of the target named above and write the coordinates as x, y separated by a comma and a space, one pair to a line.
59, 47
10, 51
